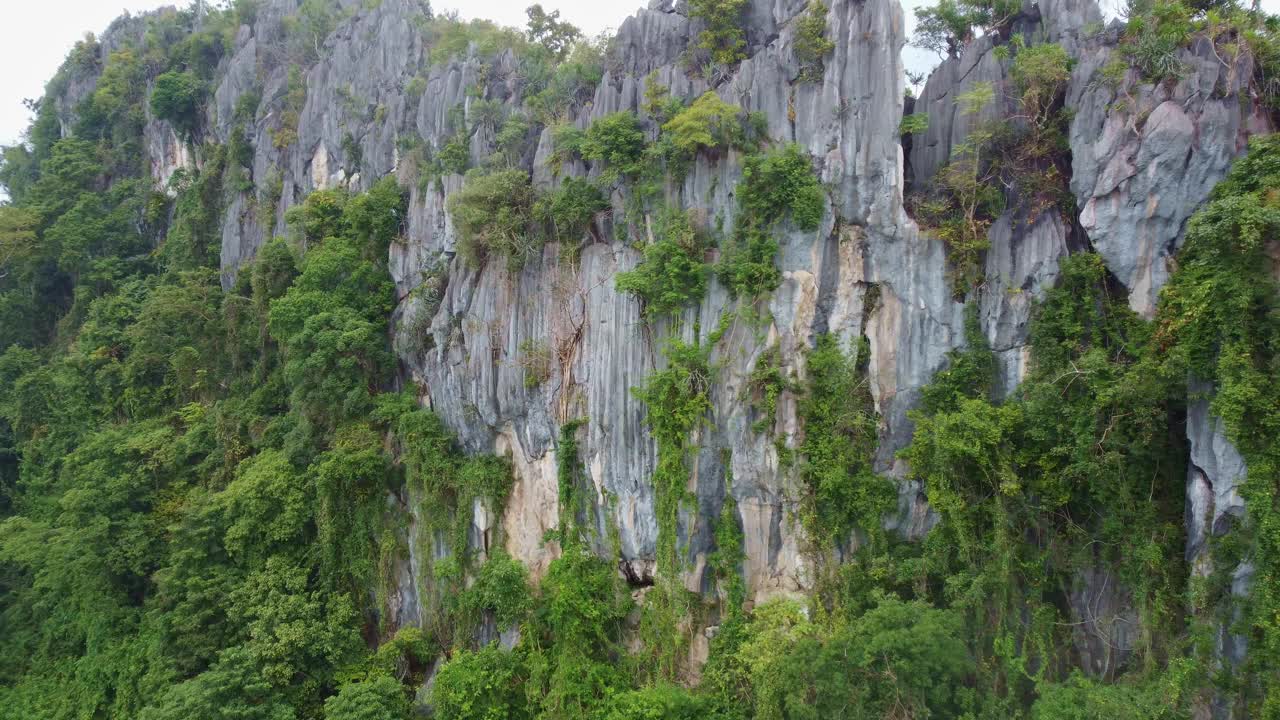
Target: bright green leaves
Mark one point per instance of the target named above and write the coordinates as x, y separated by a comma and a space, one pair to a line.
970, 371
567, 663
840, 433
376, 218
486, 684
502, 588
500, 215
678, 401
580, 626
673, 272
569, 211
678, 394
1079, 698
292, 629
1219, 318
723, 35
779, 182
379, 698
709, 123
897, 657
267, 506
1040, 73
617, 142
332, 322
1082, 456
332, 326
657, 702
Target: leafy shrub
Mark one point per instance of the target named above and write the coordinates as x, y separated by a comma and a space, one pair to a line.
569, 210
1041, 73
553, 93
811, 44
965, 198
659, 702
535, 361
320, 214
777, 182
708, 124
902, 659
454, 156
673, 273
913, 124
839, 444
501, 587
723, 29
177, 97
376, 218
482, 685
678, 401
1079, 698
1156, 31
493, 215
510, 139
747, 266
379, 698
618, 142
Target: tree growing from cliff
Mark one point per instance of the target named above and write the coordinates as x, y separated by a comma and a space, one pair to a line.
811, 43
177, 97
949, 26
723, 35
546, 29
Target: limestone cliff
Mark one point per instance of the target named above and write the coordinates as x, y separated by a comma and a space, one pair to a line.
1143, 157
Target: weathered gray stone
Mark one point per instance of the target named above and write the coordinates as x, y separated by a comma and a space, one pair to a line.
1145, 156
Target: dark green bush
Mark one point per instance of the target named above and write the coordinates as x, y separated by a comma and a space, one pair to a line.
618, 143
779, 182
747, 266
178, 97
569, 210
493, 215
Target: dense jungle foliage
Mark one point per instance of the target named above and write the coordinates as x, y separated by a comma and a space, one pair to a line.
202, 489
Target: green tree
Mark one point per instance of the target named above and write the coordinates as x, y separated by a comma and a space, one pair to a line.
549, 31
722, 35
380, 698
486, 684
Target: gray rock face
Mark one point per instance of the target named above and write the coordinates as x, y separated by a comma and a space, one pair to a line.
1145, 156
1106, 624
1214, 477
